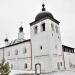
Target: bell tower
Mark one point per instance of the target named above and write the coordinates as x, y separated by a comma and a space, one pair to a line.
46, 42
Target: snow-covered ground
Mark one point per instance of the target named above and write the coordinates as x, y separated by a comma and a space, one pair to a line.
15, 72
18, 72
64, 73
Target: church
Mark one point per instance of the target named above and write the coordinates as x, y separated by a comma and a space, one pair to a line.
43, 51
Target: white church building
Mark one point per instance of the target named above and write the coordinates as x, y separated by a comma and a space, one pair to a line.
44, 48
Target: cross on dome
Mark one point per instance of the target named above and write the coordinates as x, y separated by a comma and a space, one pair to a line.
43, 6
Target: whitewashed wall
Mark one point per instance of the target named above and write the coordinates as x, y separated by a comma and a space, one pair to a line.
46, 56
69, 60
19, 60
1, 54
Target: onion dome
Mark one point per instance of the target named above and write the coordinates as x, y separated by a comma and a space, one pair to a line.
43, 14
21, 29
6, 40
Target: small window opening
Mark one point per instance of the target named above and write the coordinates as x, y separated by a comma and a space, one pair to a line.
61, 63
56, 27
8, 53
52, 34
58, 37
11, 66
25, 65
43, 27
40, 47
52, 26
24, 51
16, 52
35, 30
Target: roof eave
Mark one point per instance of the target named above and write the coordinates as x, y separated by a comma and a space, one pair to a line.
34, 22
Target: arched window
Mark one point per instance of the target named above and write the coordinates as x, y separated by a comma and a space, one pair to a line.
11, 66
61, 63
16, 52
25, 65
52, 26
37, 68
43, 27
41, 47
35, 29
56, 27
8, 53
24, 50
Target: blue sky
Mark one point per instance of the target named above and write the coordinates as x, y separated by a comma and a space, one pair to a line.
13, 12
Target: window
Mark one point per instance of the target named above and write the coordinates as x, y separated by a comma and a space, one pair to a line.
25, 65
56, 47
52, 34
52, 26
43, 27
56, 27
11, 66
8, 53
61, 63
71, 50
25, 50
35, 29
16, 52
58, 65
41, 47
58, 37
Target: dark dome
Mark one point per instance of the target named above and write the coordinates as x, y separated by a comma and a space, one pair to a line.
6, 39
42, 15
21, 29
